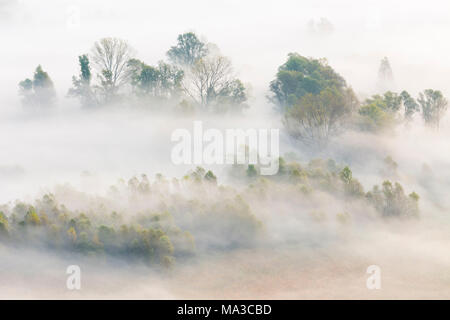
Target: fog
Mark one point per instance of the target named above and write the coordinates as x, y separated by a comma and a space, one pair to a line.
280, 241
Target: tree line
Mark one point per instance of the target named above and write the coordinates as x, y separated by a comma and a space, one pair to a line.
315, 102
197, 76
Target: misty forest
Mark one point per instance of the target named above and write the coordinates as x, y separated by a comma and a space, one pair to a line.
91, 93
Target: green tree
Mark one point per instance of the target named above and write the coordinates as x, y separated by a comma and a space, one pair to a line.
352, 187
346, 175
82, 85
409, 104
433, 105
188, 51
380, 111
391, 200
38, 92
3, 224
162, 81
300, 76
210, 177
251, 171
32, 218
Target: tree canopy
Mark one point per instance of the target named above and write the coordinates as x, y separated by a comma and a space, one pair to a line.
188, 50
38, 92
300, 76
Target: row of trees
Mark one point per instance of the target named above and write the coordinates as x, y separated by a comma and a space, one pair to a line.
48, 223
316, 102
197, 75
389, 200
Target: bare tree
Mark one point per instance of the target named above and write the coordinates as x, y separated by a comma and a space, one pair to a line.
210, 81
110, 58
317, 118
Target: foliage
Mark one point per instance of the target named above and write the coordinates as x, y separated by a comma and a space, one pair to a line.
300, 76
380, 111
188, 51
409, 104
433, 105
39, 92
162, 81
316, 118
391, 200
82, 85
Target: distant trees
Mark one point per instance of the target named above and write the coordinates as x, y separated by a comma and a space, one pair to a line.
391, 200
162, 81
321, 27
197, 79
188, 51
433, 105
383, 111
315, 101
39, 92
385, 76
110, 58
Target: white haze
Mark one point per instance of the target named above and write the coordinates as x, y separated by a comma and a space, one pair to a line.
301, 259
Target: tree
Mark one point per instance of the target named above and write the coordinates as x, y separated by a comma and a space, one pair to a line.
162, 81
300, 76
32, 218
322, 27
210, 177
82, 85
3, 224
379, 112
188, 50
352, 187
433, 105
210, 84
251, 171
110, 57
72, 234
391, 200
38, 92
409, 104
385, 76
316, 118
